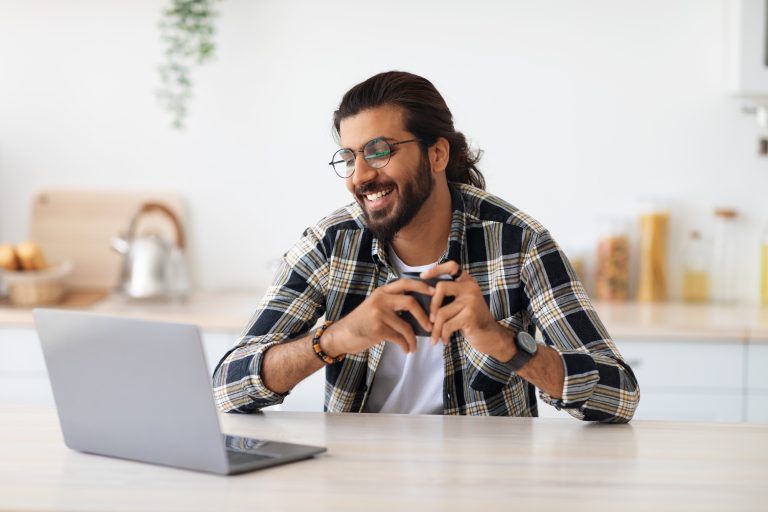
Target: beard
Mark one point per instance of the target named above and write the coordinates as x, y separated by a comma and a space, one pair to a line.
413, 194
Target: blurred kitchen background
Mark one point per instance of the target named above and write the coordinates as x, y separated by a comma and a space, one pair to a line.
591, 116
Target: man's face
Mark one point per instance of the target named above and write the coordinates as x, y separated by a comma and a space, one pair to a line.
392, 195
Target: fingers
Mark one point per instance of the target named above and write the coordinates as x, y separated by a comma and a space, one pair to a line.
442, 290
449, 327
397, 339
450, 267
443, 320
438, 320
437, 330
448, 321
408, 303
401, 333
408, 285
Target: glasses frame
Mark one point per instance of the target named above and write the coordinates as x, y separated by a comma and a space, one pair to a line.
390, 142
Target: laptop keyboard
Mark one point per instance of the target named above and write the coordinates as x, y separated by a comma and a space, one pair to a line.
242, 444
236, 457
245, 450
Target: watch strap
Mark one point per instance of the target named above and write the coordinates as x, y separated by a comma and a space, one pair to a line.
520, 359
524, 353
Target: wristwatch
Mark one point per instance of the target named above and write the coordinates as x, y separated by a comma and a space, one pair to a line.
526, 348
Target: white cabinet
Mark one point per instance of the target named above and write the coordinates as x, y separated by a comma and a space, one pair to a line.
757, 382
687, 380
757, 367
307, 395
679, 380
215, 345
689, 405
757, 407
686, 365
23, 377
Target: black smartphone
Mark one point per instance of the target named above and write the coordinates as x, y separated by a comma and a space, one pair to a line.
425, 301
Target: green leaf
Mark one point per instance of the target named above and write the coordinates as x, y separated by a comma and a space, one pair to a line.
186, 29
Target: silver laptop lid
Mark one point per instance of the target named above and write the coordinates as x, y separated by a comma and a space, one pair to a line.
133, 389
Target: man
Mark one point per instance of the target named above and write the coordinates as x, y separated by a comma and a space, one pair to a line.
420, 206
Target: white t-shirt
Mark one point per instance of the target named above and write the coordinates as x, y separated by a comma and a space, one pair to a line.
408, 383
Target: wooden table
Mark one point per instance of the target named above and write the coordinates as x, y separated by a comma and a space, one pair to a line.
394, 463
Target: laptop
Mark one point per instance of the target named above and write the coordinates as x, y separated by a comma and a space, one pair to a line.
140, 390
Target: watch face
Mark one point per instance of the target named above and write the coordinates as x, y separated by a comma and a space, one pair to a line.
526, 342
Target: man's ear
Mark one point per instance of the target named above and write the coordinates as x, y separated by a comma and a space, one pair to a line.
438, 154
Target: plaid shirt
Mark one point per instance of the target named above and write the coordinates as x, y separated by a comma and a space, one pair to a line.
525, 279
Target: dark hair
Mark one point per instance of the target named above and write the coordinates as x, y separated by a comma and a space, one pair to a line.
426, 116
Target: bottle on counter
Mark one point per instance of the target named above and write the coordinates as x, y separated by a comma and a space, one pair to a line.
652, 282
725, 256
764, 268
695, 268
612, 270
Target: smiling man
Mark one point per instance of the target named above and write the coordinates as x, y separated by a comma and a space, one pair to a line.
420, 207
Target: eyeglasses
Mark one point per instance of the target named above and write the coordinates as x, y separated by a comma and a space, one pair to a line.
376, 152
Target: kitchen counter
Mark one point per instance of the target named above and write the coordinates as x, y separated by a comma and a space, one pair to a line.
679, 320
225, 310
230, 310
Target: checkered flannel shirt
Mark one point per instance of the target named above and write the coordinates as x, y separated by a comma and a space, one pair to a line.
526, 281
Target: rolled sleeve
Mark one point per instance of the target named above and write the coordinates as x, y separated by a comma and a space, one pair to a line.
599, 385
290, 308
237, 383
486, 373
581, 377
609, 393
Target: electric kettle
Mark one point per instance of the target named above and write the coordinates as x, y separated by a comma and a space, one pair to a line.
153, 267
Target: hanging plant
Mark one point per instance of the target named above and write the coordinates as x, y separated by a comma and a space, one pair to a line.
187, 30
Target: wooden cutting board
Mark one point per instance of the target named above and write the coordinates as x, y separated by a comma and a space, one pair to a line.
79, 225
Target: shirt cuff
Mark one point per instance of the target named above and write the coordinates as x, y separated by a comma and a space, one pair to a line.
257, 389
486, 373
581, 377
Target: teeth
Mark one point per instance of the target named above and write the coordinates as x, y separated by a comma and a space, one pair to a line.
377, 195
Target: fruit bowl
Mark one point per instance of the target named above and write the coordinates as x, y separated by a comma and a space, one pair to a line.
29, 288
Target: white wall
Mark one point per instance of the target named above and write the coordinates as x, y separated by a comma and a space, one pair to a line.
581, 108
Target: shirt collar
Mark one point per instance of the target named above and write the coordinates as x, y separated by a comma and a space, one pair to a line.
454, 251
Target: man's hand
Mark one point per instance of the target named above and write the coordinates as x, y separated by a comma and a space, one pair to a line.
377, 319
468, 313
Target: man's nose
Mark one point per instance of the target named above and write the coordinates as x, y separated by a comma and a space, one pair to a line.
363, 171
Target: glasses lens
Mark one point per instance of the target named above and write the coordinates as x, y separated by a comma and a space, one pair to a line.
377, 153
343, 162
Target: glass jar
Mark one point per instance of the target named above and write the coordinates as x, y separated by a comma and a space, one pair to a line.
695, 269
652, 283
764, 268
725, 271
612, 269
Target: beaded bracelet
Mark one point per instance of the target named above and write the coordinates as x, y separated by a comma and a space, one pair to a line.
319, 351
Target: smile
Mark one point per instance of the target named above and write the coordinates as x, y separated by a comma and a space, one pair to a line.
378, 195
